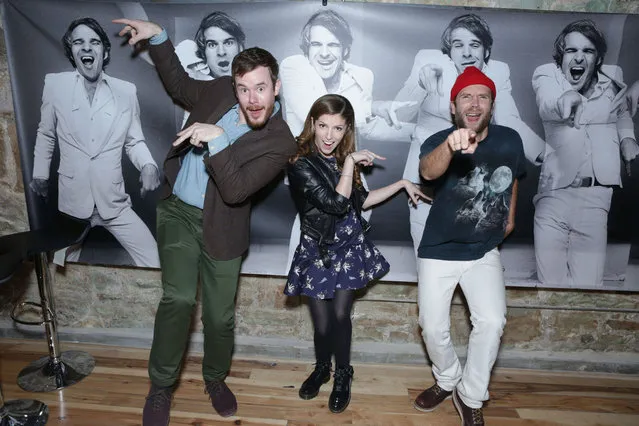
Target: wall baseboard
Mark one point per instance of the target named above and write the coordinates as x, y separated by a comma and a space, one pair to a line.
367, 352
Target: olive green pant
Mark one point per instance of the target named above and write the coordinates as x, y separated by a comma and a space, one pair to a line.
184, 261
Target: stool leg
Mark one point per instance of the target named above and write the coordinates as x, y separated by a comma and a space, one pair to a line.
23, 412
58, 370
48, 305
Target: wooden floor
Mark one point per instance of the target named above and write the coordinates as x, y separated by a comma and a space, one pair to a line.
266, 390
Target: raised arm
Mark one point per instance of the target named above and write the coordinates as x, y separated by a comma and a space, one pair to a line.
548, 90
364, 158
177, 82
322, 195
435, 163
135, 10
413, 91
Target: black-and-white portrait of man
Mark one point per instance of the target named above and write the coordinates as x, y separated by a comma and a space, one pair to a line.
93, 118
324, 67
589, 133
218, 39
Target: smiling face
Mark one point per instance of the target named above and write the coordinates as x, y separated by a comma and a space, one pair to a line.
466, 49
473, 108
329, 133
325, 52
579, 61
256, 94
88, 52
220, 48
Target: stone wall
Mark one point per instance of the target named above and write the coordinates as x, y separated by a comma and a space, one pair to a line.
558, 329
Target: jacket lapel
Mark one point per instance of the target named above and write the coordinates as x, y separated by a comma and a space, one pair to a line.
118, 108
75, 122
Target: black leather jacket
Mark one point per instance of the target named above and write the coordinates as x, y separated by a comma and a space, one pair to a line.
312, 183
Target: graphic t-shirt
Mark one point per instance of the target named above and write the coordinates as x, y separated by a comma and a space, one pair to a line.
472, 198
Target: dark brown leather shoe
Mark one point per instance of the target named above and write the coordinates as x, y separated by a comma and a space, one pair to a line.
469, 416
428, 400
222, 398
157, 407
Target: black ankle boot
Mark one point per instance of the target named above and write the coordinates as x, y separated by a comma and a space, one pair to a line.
311, 386
341, 395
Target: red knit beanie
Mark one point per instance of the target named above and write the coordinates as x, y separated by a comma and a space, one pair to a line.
470, 76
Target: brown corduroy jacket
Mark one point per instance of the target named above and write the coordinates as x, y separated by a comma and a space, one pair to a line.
235, 173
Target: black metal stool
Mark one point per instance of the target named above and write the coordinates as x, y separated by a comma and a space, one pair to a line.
19, 412
59, 369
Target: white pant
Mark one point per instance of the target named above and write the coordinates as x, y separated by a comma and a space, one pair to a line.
131, 232
482, 282
571, 233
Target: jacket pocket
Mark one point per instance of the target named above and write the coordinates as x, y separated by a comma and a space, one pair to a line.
66, 172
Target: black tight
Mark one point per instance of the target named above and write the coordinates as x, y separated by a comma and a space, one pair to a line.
333, 328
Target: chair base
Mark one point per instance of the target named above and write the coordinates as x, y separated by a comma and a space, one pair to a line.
45, 375
24, 412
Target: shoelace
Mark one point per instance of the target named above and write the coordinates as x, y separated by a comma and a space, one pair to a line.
342, 376
478, 416
438, 391
159, 398
322, 368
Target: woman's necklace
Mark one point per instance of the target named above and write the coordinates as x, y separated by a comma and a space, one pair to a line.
331, 162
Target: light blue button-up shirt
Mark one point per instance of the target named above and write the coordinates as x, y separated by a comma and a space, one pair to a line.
190, 185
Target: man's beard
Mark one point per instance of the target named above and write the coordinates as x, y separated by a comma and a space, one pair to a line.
257, 125
481, 125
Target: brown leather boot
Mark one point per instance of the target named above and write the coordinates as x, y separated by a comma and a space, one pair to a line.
428, 400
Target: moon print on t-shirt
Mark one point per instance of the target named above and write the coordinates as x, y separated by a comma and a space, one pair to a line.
487, 197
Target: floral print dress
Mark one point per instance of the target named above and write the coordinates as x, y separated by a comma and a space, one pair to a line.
355, 261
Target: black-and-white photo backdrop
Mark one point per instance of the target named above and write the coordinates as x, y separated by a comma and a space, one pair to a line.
98, 154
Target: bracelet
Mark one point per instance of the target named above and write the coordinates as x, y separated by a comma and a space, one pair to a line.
342, 174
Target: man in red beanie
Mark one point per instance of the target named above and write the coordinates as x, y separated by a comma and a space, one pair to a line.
466, 41
476, 167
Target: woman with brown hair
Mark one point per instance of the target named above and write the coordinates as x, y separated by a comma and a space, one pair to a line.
334, 256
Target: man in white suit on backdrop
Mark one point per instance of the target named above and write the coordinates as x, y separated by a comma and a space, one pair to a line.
93, 117
589, 131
